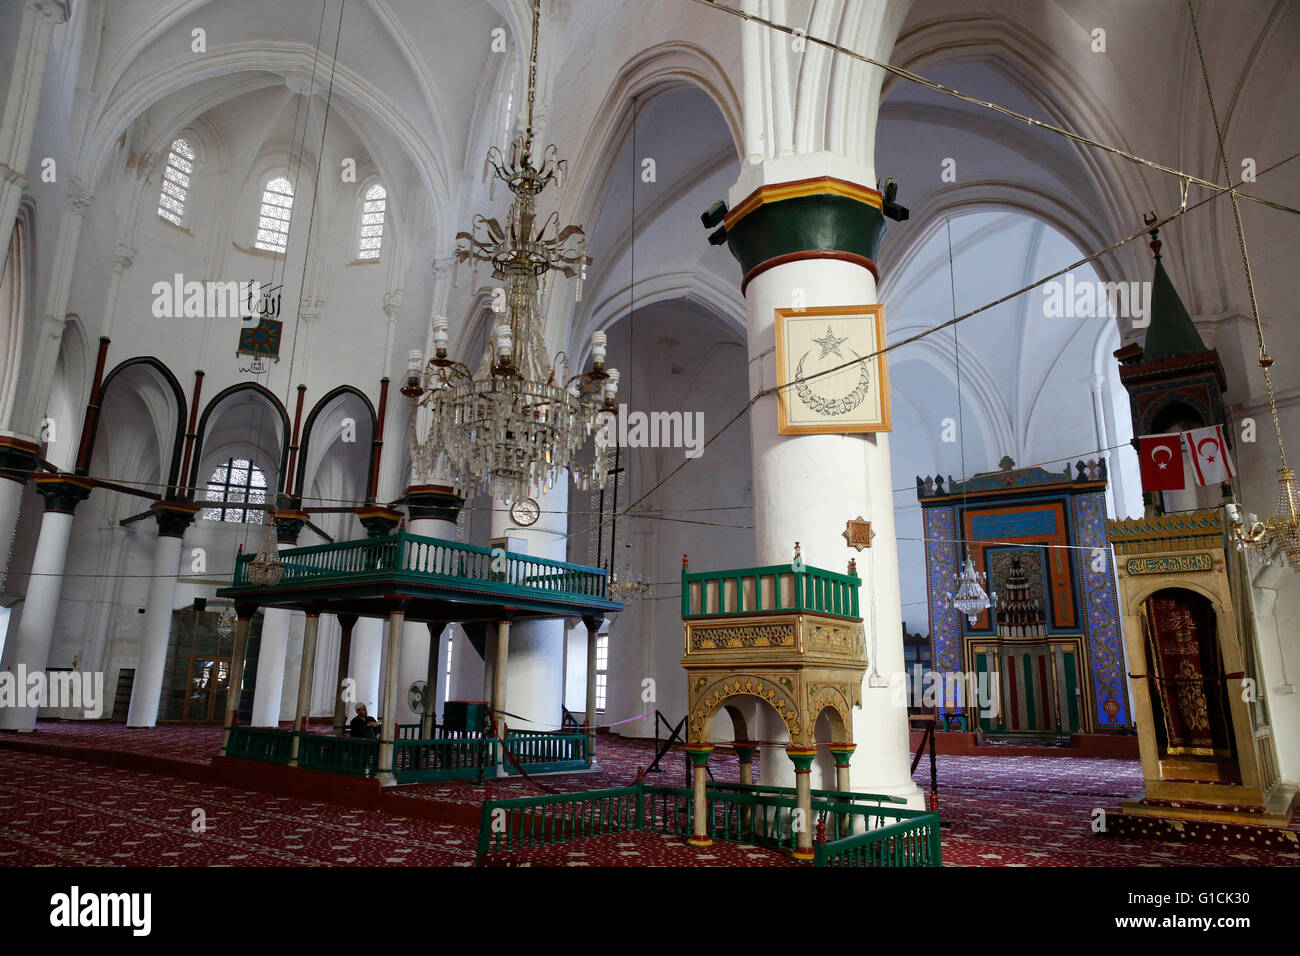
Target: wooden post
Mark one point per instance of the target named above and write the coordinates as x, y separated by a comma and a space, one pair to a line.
589, 722
234, 686
346, 622
431, 678
499, 688
306, 679
388, 733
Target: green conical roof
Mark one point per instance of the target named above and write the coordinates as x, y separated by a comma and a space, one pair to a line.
1172, 332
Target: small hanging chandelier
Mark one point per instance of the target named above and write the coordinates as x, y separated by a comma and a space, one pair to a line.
516, 424
266, 569
1276, 539
628, 586
970, 598
226, 621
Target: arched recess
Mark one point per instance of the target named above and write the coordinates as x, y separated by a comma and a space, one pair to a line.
16, 285
240, 402
342, 400
144, 375
741, 690
66, 403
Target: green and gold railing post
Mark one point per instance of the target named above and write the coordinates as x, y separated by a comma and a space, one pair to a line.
745, 754
306, 677
842, 754
699, 754
802, 758
234, 687
388, 730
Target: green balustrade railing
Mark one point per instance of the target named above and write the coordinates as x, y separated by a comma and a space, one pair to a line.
350, 755
408, 731
529, 822
421, 558
909, 842
445, 758
542, 751
863, 829
775, 589
260, 743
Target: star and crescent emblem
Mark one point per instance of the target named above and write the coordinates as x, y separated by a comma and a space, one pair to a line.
830, 345
1169, 454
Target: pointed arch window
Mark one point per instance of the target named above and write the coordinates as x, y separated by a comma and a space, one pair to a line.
177, 175
273, 218
235, 483
374, 208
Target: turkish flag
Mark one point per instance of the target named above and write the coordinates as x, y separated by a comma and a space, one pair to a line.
1210, 462
1161, 457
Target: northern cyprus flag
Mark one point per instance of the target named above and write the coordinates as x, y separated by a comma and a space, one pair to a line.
1210, 462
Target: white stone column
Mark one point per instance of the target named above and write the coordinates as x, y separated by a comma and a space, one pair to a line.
536, 664
18, 121
367, 651
499, 683
31, 645
269, 688
146, 691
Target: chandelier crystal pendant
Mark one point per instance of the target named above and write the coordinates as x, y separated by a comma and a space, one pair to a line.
512, 427
628, 586
226, 621
970, 598
266, 569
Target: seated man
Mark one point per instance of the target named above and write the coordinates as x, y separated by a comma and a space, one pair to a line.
363, 725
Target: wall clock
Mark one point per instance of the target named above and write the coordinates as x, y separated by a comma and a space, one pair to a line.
525, 512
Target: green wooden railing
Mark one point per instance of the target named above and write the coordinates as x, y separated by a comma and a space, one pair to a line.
909, 842
542, 751
862, 829
408, 731
423, 559
775, 589
446, 758
545, 821
260, 743
350, 755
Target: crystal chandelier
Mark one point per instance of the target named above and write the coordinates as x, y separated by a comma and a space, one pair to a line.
266, 569
970, 598
628, 587
513, 426
226, 621
1276, 536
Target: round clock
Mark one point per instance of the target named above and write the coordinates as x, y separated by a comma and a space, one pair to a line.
525, 512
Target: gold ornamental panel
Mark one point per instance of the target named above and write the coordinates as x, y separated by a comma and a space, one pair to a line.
722, 636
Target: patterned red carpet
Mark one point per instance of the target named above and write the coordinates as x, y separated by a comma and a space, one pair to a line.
1001, 811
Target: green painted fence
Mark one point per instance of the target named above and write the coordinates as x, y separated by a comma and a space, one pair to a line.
774, 589
422, 559
445, 758
545, 752
350, 755
907, 843
260, 743
545, 821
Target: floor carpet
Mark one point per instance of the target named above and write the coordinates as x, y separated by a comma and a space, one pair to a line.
1000, 811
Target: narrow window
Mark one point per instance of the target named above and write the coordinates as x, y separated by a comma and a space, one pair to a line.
273, 220
176, 182
373, 209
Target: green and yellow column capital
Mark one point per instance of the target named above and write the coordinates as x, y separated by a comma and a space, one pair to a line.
801, 757
745, 751
842, 753
699, 753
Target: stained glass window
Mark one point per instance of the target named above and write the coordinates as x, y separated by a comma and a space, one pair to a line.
176, 182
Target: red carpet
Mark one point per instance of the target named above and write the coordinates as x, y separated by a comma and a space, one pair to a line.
1002, 811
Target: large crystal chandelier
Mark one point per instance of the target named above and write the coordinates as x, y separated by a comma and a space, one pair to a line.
1276, 538
970, 598
512, 427
266, 569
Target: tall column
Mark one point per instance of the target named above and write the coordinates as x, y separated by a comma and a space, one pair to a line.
389, 719
31, 645
842, 754
306, 676
537, 646
18, 122
433, 510
268, 688
589, 721
802, 758
344, 691
19, 461
243, 614
173, 518
699, 755
745, 754
499, 687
